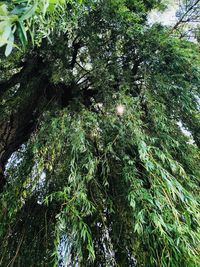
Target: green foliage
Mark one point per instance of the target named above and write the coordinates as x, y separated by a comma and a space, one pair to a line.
31, 21
112, 177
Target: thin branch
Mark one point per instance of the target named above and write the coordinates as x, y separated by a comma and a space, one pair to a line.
76, 47
17, 251
182, 19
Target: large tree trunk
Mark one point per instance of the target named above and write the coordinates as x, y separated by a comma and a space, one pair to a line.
27, 89
28, 93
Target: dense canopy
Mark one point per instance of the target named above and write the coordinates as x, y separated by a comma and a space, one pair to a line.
99, 135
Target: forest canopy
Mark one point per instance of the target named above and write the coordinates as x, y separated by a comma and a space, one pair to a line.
99, 134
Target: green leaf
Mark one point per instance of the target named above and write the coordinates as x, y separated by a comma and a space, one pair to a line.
9, 46
3, 10
29, 12
7, 31
22, 33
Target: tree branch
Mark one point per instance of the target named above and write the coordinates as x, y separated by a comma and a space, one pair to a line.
181, 20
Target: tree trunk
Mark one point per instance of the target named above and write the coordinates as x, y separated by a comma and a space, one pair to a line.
25, 106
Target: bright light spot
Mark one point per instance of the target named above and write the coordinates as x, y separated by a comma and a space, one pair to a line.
43, 177
99, 105
120, 110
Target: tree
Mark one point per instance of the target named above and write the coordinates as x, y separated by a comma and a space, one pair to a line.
188, 18
95, 167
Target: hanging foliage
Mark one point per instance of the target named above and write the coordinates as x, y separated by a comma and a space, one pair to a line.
99, 137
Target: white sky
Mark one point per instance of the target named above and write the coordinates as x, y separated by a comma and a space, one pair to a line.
168, 17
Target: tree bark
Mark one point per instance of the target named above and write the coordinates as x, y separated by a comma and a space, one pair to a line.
24, 105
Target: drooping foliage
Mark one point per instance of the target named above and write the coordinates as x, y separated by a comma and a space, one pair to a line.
100, 135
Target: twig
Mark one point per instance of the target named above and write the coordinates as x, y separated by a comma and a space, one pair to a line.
181, 20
